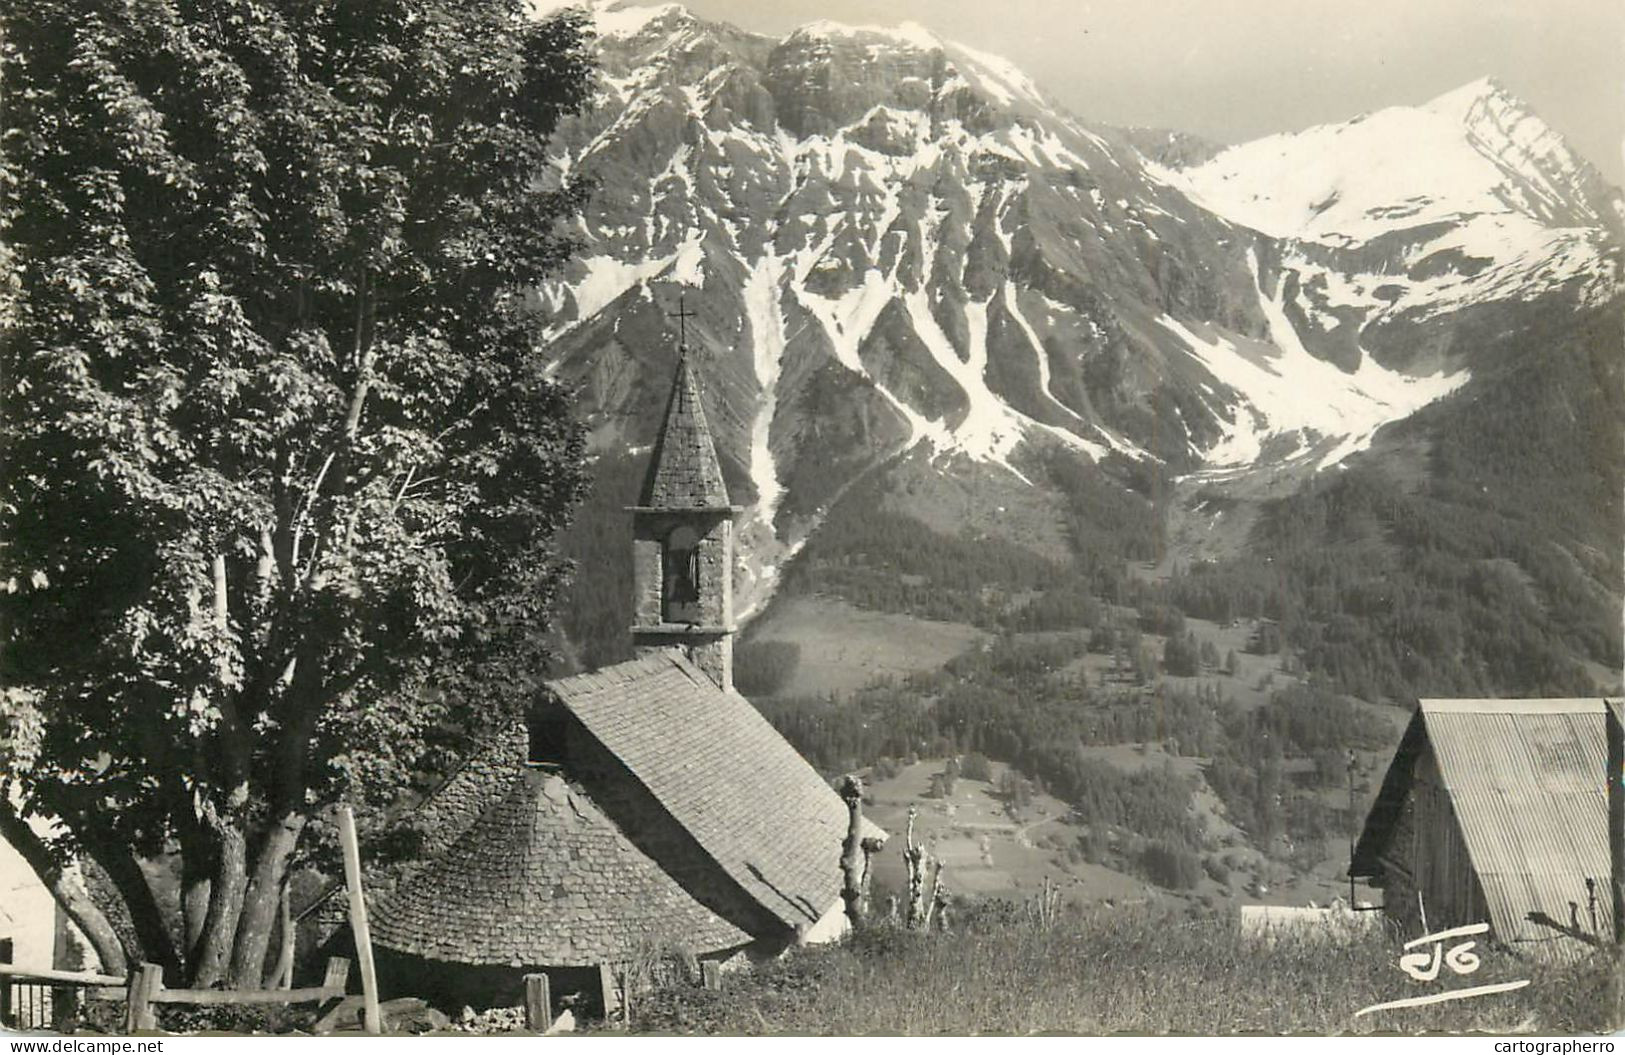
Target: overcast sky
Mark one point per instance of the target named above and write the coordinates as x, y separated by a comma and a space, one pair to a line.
1235, 69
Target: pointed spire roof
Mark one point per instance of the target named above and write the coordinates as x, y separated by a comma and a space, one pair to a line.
684, 472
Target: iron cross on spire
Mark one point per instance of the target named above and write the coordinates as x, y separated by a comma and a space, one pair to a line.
682, 315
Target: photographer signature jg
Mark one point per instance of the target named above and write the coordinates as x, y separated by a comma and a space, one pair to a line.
1430, 955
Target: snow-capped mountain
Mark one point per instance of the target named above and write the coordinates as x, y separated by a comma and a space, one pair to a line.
892, 240
1467, 198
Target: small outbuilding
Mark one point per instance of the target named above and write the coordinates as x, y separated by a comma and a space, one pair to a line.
1497, 811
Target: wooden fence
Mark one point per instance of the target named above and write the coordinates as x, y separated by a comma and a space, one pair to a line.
39, 998
144, 988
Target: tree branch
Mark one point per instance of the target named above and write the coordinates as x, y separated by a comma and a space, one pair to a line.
303, 515
66, 888
236, 733
364, 356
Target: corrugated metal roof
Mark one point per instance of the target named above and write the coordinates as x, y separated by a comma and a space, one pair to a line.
1527, 779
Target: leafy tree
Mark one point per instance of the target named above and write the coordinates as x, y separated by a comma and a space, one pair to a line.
1181, 656
1170, 865
1144, 658
1016, 790
975, 766
282, 472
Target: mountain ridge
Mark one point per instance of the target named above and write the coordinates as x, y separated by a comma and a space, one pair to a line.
895, 244
906, 138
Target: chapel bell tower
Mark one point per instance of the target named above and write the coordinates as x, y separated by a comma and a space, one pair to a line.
682, 540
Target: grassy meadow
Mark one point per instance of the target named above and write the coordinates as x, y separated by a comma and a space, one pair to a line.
1002, 972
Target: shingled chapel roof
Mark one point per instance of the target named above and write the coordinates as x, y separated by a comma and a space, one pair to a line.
725, 774
684, 472
682, 796
544, 878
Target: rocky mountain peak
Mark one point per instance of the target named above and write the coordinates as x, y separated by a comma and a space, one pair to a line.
896, 244
1474, 151
613, 20
1482, 92
907, 35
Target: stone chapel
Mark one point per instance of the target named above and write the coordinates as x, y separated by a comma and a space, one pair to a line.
643, 808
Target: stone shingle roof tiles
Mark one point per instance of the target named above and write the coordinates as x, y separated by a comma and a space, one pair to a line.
475, 786
543, 878
725, 774
684, 472
528, 871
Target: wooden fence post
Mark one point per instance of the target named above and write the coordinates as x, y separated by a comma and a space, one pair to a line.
144, 984
607, 990
1615, 722
5, 983
538, 1004
711, 974
853, 862
371, 1019
285, 950
337, 975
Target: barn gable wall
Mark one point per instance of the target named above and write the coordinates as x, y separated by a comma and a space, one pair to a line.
1427, 854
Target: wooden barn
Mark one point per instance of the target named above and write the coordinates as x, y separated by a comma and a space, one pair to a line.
1497, 811
644, 808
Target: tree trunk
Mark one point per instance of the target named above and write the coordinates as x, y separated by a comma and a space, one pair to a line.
194, 911
262, 901
66, 888
151, 930
197, 873
916, 861
225, 906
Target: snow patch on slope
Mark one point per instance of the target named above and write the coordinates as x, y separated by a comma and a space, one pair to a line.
999, 77
607, 279
1287, 391
761, 295
848, 318
988, 432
